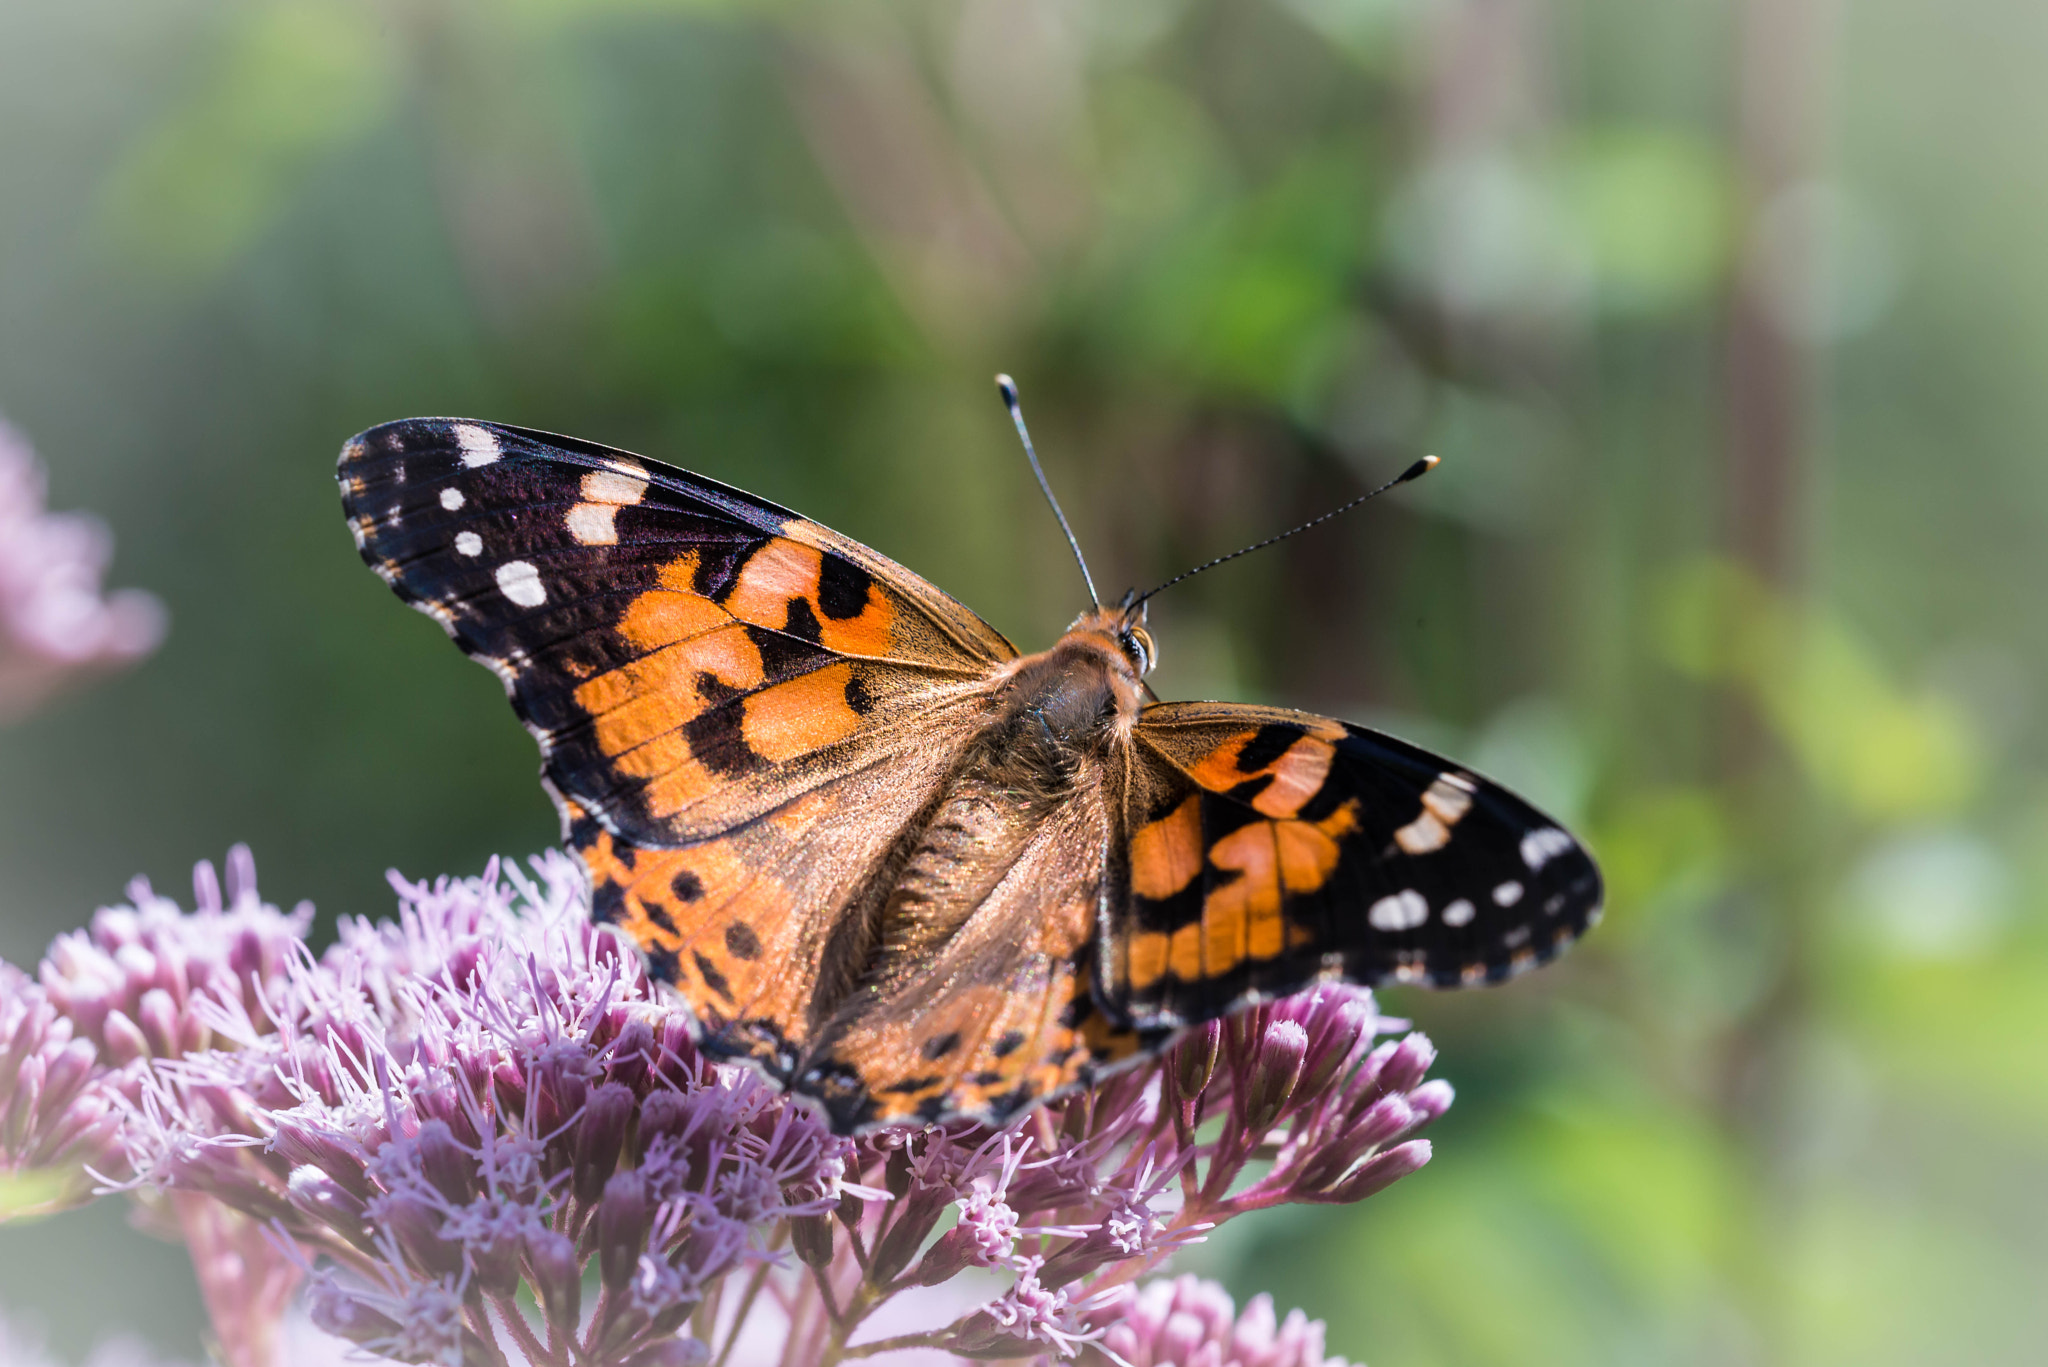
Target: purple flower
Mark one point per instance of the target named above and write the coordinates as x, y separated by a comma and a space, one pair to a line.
58, 1118
1188, 1322
54, 625
479, 1134
147, 979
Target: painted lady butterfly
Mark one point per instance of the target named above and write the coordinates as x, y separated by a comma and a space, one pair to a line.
902, 868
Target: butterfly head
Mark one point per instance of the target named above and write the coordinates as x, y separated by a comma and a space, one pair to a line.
1123, 627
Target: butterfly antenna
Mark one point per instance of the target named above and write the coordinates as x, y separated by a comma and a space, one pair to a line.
1415, 471
1008, 387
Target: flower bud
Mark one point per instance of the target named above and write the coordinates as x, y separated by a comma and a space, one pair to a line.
951, 1255
1194, 1059
125, 1041
916, 1215
630, 1054
335, 1311
811, 1238
416, 1223
1335, 1026
621, 1228
326, 1200
443, 1163
69, 1068
301, 1146
1376, 1174
557, 1277
663, 1112
158, 1017
852, 1206
600, 1135
1275, 1071
1430, 1100
1408, 1063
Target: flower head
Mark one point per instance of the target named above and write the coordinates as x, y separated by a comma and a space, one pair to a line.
58, 1119
1188, 1322
480, 1133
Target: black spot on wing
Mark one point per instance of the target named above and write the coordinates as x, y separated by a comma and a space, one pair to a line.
718, 742
915, 1084
843, 588
741, 942
686, 886
859, 696
714, 690
802, 623
785, 657
713, 979
1268, 744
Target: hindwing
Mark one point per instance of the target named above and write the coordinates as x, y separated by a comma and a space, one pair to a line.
1268, 849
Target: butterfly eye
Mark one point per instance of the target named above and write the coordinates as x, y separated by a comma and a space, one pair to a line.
1137, 643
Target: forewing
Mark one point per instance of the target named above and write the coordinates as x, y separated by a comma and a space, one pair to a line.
1269, 849
738, 710
688, 656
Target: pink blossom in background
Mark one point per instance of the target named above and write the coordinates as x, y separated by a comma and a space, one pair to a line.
55, 624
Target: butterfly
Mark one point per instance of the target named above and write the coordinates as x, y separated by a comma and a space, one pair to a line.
906, 870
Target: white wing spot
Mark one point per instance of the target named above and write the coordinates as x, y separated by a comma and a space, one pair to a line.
1542, 845
593, 522
468, 543
1507, 894
1449, 799
1405, 910
1459, 913
1444, 804
614, 486
1423, 835
479, 447
451, 499
520, 582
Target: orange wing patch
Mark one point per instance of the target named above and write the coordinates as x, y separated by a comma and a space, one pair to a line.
847, 618
1291, 777
808, 713
1248, 870
1166, 854
751, 927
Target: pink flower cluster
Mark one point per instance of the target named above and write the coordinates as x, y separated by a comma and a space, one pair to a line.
480, 1135
54, 624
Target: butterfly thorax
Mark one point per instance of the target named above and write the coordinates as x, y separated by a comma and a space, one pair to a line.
1080, 696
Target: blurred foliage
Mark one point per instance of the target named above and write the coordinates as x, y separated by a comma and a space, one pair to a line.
1245, 256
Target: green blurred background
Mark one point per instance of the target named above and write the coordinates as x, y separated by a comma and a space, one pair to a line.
1730, 322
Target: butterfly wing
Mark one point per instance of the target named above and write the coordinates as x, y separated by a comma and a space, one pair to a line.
737, 709
1268, 849
997, 1013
